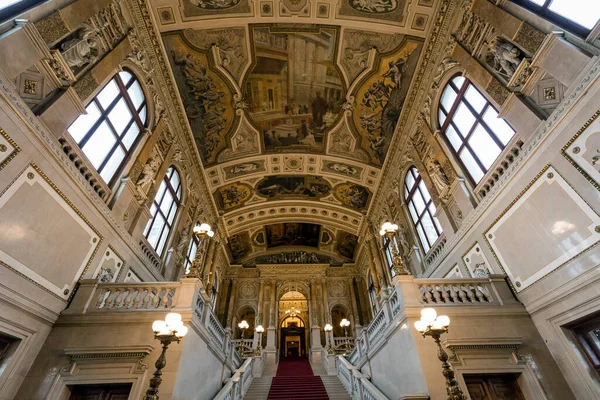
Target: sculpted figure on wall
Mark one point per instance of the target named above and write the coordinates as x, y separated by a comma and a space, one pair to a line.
82, 49
148, 173
438, 176
504, 57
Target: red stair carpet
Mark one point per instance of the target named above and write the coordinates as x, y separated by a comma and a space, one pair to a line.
295, 381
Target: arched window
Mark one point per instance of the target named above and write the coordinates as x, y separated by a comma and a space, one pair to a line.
191, 253
471, 127
389, 255
421, 208
163, 210
372, 293
110, 130
577, 16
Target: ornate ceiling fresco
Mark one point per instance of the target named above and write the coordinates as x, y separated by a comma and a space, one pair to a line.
293, 105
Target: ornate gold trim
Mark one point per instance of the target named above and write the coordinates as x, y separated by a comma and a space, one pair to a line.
512, 203
13, 154
99, 239
563, 151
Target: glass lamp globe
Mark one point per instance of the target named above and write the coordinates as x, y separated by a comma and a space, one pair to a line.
444, 320
428, 315
204, 227
173, 320
159, 326
420, 326
182, 331
328, 328
260, 329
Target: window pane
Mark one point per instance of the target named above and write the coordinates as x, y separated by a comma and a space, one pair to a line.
120, 116
125, 77
175, 181
171, 216
471, 165
441, 117
475, 99
410, 181
463, 119
419, 204
413, 213
458, 81
482, 144
538, 2
99, 145
429, 228
448, 98
165, 206
423, 238
153, 236
498, 125
143, 115
424, 191
160, 191
108, 94
131, 135
437, 223
453, 137
584, 12
83, 123
136, 94
163, 239
113, 163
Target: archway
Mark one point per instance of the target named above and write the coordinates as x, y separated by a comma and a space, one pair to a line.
293, 317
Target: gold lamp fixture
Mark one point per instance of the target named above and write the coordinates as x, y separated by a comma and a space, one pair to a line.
167, 331
292, 312
344, 323
203, 232
433, 325
243, 326
328, 329
259, 329
389, 230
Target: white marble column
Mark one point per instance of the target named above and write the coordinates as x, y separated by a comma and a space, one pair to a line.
357, 326
271, 348
315, 330
259, 311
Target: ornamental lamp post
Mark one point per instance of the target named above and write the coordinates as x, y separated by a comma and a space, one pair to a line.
344, 323
259, 329
389, 230
167, 331
433, 325
243, 326
202, 232
328, 329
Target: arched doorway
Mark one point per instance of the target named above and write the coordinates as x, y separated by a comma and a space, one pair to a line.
293, 317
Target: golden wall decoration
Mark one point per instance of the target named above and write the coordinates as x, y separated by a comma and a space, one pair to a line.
8, 149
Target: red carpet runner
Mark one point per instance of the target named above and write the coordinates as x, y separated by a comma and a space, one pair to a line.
295, 381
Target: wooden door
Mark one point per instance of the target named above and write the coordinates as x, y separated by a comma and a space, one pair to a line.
117, 391
493, 387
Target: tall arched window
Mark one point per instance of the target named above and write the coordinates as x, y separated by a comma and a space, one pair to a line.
191, 253
163, 210
421, 208
389, 255
110, 130
577, 16
471, 127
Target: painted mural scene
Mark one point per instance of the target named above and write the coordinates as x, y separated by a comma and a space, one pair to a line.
294, 91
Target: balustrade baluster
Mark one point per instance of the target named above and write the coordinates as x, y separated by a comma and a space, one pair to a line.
100, 299
445, 295
480, 296
110, 300
470, 294
155, 297
436, 293
462, 294
428, 297
453, 294
147, 298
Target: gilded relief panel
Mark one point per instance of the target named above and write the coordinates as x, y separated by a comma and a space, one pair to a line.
206, 96
352, 195
8, 149
194, 9
294, 90
380, 98
232, 196
534, 236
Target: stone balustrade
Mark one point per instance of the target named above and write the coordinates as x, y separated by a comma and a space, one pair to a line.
411, 293
235, 388
356, 383
136, 296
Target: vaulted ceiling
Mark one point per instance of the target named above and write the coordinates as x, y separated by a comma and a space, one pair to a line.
292, 105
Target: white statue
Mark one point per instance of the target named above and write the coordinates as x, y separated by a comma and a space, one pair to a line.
506, 56
438, 176
147, 177
82, 49
106, 275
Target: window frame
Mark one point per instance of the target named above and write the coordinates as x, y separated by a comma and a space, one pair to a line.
372, 292
104, 117
177, 200
387, 253
580, 330
191, 255
409, 194
18, 8
449, 121
556, 18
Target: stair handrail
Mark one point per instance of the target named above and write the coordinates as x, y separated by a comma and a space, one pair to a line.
235, 388
356, 383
